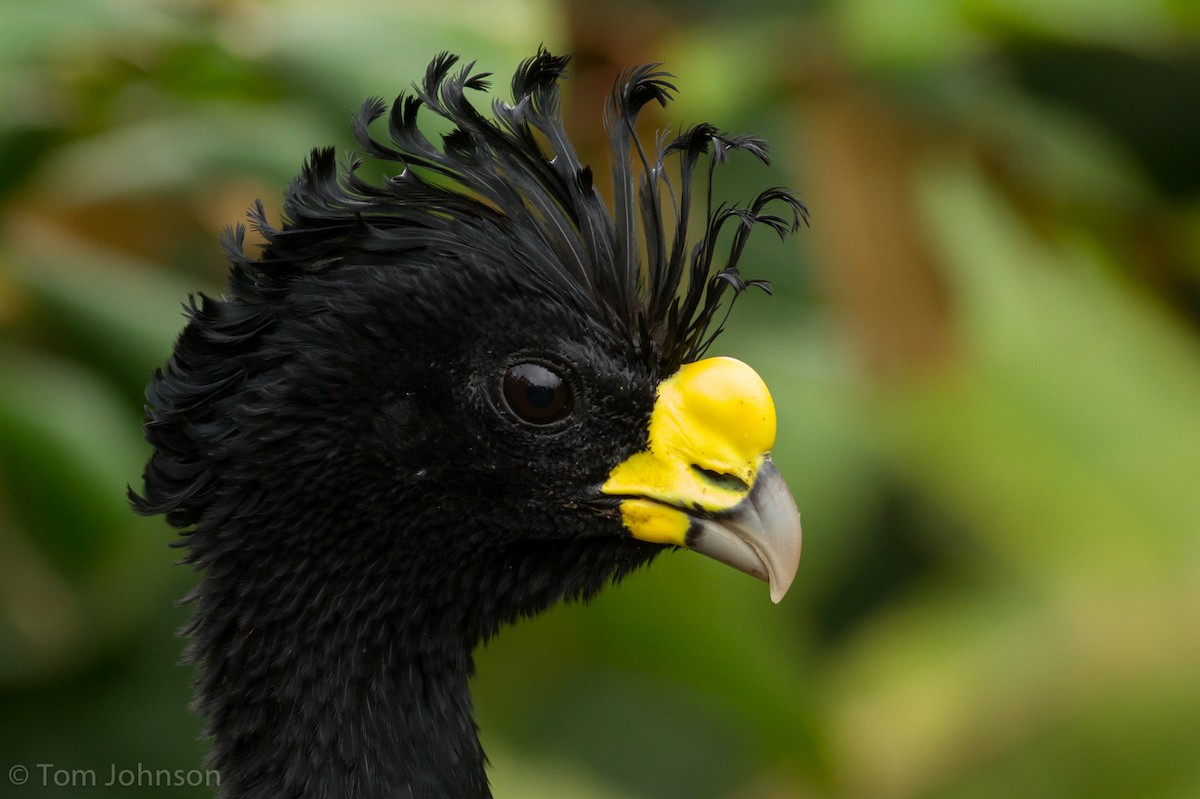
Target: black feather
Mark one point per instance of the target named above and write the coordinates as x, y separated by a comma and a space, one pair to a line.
323, 433
636, 270
628, 268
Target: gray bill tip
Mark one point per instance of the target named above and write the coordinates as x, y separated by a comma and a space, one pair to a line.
760, 535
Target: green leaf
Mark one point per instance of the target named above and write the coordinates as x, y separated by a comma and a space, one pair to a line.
87, 568
114, 313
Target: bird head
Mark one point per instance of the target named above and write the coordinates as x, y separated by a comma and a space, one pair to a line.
480, 345
436, 403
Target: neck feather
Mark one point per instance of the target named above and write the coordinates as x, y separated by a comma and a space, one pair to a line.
333, 692
338, 667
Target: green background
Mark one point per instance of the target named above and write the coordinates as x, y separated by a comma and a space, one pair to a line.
984, 353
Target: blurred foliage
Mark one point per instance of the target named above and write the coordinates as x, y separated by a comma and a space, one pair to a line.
984, 353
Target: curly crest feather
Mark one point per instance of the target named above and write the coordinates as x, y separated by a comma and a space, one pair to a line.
637, 267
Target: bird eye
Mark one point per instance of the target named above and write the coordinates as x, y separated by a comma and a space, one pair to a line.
536, 394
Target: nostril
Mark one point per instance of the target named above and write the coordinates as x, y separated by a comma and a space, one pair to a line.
729, 482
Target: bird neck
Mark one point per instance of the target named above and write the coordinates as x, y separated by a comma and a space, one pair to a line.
338, 665
337, 698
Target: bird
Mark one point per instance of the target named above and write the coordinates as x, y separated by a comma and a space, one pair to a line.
437, 402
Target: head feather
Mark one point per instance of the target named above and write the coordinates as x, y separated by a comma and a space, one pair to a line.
505, 191
640, 267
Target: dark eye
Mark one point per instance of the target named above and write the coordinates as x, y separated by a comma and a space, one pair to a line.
536, 394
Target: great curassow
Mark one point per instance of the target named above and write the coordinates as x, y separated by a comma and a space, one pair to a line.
440, 403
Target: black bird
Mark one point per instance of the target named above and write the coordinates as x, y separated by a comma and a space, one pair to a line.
443, 402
